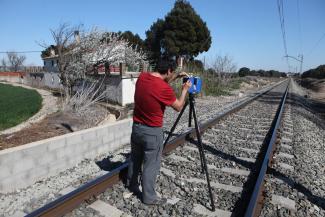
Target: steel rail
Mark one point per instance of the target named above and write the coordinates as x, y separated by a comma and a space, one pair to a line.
70, 201
255, 204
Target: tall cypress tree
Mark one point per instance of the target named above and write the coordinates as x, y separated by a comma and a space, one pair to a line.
153, 40
185, 33
182, 33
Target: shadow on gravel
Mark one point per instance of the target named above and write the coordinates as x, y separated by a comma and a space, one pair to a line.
319, 201
107, 164
225, 156
272, 98
166, 133
240, 205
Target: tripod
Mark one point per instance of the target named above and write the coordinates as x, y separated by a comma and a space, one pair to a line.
192, 112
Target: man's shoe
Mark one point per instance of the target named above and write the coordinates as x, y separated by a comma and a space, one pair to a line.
158, 201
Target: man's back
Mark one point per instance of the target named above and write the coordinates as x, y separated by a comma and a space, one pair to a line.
152, 94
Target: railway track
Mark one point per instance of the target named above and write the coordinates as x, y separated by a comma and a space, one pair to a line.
235, 143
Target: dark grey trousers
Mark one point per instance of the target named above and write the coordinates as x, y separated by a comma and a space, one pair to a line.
146, 148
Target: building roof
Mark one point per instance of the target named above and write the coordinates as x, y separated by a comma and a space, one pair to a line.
50, 57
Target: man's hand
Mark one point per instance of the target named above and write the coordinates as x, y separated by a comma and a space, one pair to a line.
182, 74
177, 75
179, 103
187, 85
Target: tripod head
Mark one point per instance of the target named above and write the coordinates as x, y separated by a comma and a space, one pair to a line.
196, 84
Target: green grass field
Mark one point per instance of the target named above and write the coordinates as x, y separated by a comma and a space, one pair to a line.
17, 104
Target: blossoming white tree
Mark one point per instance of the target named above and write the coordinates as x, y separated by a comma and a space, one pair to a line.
80, 55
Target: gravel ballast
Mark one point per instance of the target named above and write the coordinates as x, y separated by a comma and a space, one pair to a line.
181, 176
304, 186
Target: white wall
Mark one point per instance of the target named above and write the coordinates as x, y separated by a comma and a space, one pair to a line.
128, 90
14, 79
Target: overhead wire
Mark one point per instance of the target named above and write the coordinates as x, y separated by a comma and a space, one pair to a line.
317, 43
281, 16
35, 51
299, 26
301, 55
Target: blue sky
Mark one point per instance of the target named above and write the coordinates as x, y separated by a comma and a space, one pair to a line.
246, 30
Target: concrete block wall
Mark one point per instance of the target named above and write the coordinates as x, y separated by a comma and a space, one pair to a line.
35, 79
43, 79
24, 165
14, 79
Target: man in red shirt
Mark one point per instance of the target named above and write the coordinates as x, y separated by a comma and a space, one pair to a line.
152, 95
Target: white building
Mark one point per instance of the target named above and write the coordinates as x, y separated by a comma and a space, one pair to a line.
120, 85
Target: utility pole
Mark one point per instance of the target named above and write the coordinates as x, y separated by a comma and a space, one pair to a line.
299, 59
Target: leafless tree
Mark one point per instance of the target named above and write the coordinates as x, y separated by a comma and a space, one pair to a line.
87, 94
223, 66
4, 64
64, 42
77, 56
15, 60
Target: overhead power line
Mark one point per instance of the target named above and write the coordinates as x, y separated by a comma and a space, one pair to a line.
281, 16
317, 43
299, 26
34, 51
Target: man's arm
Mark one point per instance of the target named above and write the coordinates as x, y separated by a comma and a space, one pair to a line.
179, 103
178, 75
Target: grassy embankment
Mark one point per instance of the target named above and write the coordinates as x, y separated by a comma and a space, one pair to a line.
17, 104
214, 86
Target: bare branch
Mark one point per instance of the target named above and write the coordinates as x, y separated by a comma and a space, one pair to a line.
223, 66
4, 64
15, 60
92, 49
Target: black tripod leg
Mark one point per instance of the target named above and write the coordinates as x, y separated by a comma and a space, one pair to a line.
198, 134
175, 124
190, 116
200, 150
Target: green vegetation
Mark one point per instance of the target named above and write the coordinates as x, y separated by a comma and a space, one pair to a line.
17, 104
212, 84
214, 87
263, 73
318, 72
